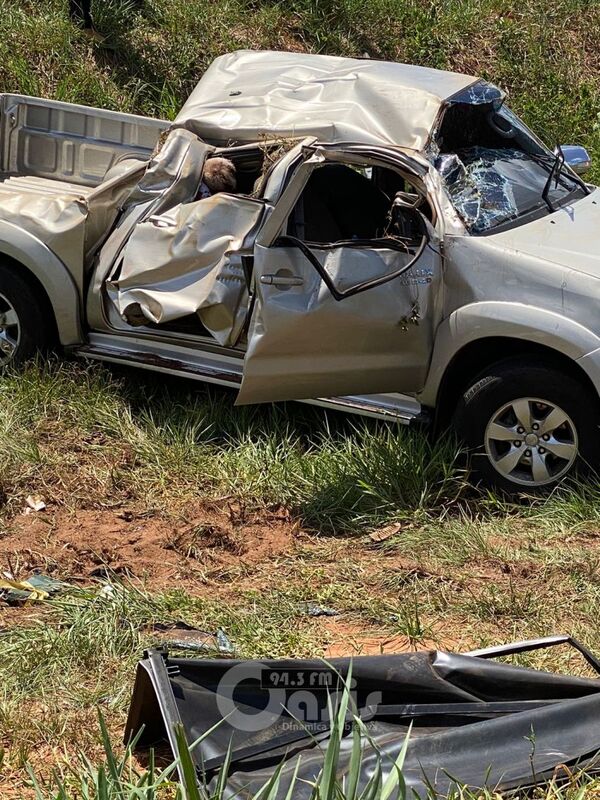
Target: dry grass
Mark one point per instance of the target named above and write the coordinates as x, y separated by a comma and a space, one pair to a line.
462, 571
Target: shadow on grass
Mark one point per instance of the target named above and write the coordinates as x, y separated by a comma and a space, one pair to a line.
336, 471
171, 437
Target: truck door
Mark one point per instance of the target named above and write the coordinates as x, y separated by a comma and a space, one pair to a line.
346, 282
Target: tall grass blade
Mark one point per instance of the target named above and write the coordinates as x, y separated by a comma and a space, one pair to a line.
187, 769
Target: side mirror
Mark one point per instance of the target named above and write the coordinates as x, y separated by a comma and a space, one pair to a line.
577, 158
406, 221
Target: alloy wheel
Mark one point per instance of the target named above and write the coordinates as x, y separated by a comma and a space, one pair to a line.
531, 441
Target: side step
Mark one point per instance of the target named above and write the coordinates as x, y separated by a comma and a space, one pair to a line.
389, 407
211, 372
225, 370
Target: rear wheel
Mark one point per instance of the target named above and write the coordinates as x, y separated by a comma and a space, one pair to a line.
528, 426
24, 328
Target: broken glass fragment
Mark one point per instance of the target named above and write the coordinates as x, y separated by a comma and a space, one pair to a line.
477, 180
478, 94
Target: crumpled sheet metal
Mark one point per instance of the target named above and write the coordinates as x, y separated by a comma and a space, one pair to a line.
357, 322
475, 722
246, 95
187, 261
181, 636
56, 218
70, 220
174, 172
104, 202
172, 177
482, 196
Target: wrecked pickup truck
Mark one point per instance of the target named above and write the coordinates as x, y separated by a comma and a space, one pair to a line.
398, 244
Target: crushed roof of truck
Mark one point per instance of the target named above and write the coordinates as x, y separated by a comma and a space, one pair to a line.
247, 95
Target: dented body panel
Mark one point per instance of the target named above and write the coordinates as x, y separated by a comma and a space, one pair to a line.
281, 289
536, 283
31, 254
249, 94
171, 270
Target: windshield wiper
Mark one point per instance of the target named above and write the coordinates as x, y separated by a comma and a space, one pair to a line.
559, 162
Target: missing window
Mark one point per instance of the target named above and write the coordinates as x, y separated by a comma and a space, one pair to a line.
356, 204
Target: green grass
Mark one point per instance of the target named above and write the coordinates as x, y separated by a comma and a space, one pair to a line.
77, 434
462, 570
117, 778
464, 566
75, 660
544, 55
64, 425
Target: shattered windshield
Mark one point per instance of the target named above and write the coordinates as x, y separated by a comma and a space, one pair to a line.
493, 167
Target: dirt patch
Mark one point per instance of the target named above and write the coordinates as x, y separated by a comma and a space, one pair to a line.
158, 550
12, 617
346, 638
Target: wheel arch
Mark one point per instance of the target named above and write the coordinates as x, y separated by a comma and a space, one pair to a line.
483, 332
472, 359
48, 277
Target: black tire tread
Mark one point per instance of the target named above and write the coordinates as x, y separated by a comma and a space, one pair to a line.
34, 324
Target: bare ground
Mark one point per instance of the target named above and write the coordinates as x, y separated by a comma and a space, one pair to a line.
225, 552
216, 549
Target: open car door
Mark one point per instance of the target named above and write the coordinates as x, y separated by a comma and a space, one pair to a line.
346, 282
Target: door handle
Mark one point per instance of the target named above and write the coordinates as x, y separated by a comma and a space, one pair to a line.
282, 280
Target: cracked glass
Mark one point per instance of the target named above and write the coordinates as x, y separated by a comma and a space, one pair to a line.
493, 167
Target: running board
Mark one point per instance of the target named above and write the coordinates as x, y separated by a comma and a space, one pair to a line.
203, 366
225, 370
390, 407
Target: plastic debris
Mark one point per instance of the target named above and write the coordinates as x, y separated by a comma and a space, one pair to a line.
459, 719
382, 534
182, 636
34, 503
315, 610
225, 644
35, 588
107, 591
16, 592
45, 583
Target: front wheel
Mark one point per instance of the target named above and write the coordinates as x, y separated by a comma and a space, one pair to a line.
528, 426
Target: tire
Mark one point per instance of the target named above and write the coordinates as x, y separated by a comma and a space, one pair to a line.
528, 425
24, 327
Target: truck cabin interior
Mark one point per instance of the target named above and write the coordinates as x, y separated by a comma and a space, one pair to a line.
251, 164
350, 204
340, 204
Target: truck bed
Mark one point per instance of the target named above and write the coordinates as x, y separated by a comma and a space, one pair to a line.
73, 144
52, 157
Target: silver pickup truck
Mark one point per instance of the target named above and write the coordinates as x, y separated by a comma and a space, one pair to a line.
398, 244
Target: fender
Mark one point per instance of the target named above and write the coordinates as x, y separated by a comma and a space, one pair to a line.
489, 319
32, 254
